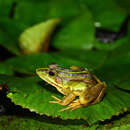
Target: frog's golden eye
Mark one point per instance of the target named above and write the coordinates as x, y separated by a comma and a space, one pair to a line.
51, 73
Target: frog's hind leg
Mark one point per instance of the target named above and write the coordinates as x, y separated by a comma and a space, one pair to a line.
65, 101
100, 96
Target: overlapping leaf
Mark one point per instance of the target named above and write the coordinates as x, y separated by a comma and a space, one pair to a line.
36, 38
122, 124
25, 123
77, 34
123, 127
110, 16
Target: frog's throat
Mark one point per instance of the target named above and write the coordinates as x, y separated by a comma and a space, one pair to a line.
53, 84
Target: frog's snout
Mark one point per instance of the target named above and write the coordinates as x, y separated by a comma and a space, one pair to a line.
39, 70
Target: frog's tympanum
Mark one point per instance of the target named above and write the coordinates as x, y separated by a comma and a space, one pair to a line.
72, 83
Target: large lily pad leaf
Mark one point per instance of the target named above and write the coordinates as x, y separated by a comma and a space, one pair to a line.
35, 95
25, 90
9, 33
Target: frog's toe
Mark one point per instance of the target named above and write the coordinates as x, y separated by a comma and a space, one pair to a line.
53, 102
57, 100
74, 105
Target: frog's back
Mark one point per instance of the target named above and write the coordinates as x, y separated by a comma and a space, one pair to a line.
69, 73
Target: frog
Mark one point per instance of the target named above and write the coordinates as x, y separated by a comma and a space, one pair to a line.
78, 85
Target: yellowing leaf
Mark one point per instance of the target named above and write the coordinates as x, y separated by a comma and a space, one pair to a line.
36, 38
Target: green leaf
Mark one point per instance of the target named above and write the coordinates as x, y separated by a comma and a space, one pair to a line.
124, 5
25, 90
111, 46
92, 59
34, 94
35, 61
110, 16
46, 10
117, 44
116, 122
25, 123
36, 38
122, 123
5, 7
9, 33
116, 70
77, 34
86, 59
125, 127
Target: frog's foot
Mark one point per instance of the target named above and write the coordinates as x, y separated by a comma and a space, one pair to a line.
57, 100
74, 105
65, 101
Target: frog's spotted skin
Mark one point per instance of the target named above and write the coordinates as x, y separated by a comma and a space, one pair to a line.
73, 82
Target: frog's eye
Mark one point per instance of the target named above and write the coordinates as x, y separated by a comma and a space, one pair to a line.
51, 73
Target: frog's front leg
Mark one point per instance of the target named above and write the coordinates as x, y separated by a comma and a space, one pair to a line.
65, 101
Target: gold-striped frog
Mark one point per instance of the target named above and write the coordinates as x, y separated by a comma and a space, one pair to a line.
72, 83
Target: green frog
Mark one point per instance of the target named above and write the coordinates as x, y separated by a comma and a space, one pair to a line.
72, 83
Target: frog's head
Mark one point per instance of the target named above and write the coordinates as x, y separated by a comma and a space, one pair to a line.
50, 75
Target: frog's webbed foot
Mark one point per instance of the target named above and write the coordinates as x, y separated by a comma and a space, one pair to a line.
74, 105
